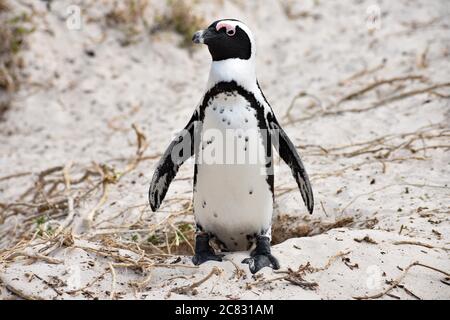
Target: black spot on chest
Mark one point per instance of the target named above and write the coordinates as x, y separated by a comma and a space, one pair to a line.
233, 89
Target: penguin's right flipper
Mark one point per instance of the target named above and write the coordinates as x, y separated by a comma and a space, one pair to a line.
179, 150
289, 154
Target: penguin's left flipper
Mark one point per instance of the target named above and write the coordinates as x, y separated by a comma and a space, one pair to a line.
289, 154
179, 150
261, 257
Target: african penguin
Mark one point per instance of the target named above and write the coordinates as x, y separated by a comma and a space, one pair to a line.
231, 134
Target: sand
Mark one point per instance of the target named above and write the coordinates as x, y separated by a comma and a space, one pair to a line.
368, 109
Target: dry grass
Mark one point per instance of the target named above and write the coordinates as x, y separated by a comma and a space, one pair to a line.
41, 220
396, 283
129, 17
45, 210
133, 18
397, 93
127, 12
12, 34
180, 19
292, 13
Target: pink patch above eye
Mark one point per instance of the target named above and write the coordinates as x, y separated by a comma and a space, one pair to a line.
231, 30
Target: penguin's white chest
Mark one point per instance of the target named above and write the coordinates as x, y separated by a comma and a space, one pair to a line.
232, 198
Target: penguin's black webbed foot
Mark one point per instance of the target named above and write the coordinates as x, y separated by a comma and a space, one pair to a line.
258, 262
261, 256
203, 251
198, 259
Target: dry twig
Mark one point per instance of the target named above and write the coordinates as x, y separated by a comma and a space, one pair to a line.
396, 282
192, 287
418, 243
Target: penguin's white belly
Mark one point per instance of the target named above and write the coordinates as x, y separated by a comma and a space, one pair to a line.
232, 198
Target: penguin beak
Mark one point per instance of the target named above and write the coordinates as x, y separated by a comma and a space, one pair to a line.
202, 36
198, 37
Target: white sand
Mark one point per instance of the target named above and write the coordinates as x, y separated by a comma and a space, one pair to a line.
73, 107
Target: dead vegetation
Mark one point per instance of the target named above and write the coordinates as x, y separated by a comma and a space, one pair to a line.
192, 288
378, 152
293, 14
44, 215
130, 18
397, 283
45, 212
48, 206
396, 93
180, 19
391, 147
127, 12
297, 277
13, 30
136, 18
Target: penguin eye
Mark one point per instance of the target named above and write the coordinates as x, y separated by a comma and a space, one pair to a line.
230, 30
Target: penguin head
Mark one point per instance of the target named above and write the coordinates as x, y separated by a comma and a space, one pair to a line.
227, 39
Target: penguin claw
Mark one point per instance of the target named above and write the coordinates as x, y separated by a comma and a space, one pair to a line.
198, 259
257, 262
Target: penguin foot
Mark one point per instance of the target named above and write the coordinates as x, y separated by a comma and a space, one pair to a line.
200, 258
203, 251
258, 262
261, 256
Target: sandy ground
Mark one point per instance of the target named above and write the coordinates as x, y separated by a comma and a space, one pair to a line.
368, 110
